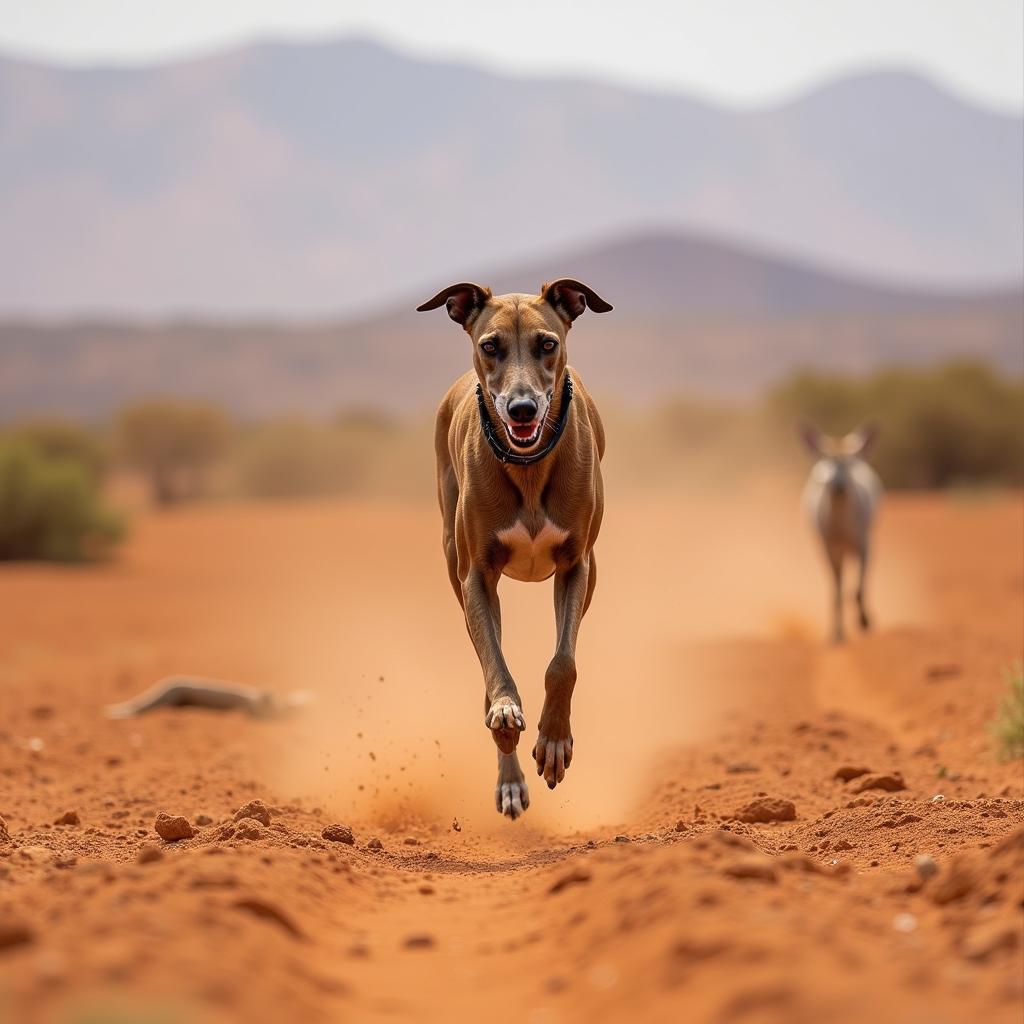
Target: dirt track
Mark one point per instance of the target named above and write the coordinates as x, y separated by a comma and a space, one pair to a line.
631, 892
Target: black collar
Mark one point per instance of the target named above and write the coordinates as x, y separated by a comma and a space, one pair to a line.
514, 458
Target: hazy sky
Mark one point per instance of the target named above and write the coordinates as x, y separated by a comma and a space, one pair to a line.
740, 51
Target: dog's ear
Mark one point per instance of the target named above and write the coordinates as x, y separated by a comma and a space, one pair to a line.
569, 298
862, 440
810, 435
463, 301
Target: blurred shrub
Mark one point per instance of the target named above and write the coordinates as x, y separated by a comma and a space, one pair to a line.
1008, 725
293, 457
64, 439
50, 506
954, 424
174, 443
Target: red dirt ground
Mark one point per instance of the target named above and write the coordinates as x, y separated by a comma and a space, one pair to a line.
637, 890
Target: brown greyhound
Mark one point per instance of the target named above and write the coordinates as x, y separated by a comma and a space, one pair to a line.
519, 446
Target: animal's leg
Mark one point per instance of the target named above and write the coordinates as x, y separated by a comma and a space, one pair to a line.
835, 558
553, 750
502, 704
510, 794
865, 621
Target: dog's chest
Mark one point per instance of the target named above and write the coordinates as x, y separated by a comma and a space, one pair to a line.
531, 558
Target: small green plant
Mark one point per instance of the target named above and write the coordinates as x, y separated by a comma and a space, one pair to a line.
50, 507
1008, 725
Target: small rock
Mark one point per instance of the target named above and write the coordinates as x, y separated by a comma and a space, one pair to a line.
248, 828
764, 809
741, 768
891, 783
148, 854
173, 827
938, 798
905, 923
847, 772
411, 841
752, 865
255, 809
456, 827
375, 844
69, 818
925, 866
203, 819
419, 942
338, 834
623, 839
681, 825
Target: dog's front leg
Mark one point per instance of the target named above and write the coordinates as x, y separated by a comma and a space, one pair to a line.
553, 751
502, 705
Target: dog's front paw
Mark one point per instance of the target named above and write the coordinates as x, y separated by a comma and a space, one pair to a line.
506, 722
511, 796
553, 756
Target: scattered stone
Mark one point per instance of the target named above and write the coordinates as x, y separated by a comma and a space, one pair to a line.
681, 825
623, 839
173, 827
938, 798
752, 865
203, 819
576, 876
419, 942
949, 670
847, 772
338, 834
765, 809
256, 809
248, 828
925, 866
426, 890
375, 844
456, 827
741, 768
411, 841
905, 923
842, 844
891, 783
69, 818
14, 934
148, 854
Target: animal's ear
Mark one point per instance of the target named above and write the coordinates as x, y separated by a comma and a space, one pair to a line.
862, 440
569, 298
810, 435
463, 301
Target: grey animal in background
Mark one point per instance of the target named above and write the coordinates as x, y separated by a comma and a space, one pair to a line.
841, 497
215, 694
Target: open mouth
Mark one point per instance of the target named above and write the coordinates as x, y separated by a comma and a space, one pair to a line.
522, 435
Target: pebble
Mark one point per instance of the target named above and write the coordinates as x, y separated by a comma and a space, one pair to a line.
375, 844
765, 809
904, 923
173, 827
256, 809
338, 834
148, 854
891, 783
926, 866
69, 818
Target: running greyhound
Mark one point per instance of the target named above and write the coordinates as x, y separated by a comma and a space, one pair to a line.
519, 445
841, 498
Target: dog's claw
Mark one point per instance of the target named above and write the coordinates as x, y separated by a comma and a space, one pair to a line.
553, 758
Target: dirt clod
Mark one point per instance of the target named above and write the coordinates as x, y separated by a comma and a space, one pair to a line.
891, 783
69, 818
765, 809
338, 834
752, 865
423, 941
255, 809
13, 934
847, 772
173, 827
375, 844
149, 854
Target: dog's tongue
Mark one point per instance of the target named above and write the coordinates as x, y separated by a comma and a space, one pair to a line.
524, 432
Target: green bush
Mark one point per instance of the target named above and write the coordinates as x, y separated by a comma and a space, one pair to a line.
64, 439
50, 507
955, 424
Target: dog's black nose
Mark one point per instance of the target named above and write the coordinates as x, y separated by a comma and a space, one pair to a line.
522, 410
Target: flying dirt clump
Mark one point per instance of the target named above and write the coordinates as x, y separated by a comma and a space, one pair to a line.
173, 827
256, 809
764, 809
338, 834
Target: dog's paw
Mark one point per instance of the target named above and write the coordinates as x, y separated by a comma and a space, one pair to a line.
511, 797
506, 722
553, 757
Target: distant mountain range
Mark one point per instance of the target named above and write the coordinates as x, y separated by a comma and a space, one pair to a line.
324, 178
691, 315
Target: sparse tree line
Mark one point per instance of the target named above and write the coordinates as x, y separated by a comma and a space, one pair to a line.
958, 424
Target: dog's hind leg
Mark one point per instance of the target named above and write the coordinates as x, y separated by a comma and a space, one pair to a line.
510, 794
553, 751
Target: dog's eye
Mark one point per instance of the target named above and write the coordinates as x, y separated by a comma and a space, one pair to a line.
549, 345
488, 348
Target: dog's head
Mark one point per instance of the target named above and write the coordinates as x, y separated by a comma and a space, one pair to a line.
519, 345
836, 456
